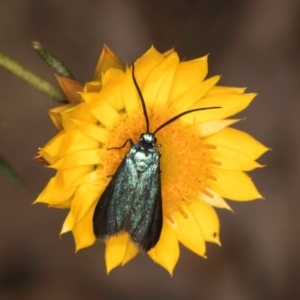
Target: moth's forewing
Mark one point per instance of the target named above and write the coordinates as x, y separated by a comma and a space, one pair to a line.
132, 202
146, 217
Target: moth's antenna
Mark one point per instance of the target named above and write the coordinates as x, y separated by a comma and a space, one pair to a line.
182, 114
142, 99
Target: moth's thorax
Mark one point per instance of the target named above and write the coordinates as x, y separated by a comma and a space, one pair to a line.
144, 155
148, 138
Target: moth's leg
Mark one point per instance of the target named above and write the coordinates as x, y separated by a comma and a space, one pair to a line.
115, 148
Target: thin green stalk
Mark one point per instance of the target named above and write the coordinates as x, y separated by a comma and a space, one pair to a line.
9, 172
32, 79
52, 61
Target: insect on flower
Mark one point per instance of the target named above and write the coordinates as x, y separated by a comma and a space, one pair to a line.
132, 197
132, 201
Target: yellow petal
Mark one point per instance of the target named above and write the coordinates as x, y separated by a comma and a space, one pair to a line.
130, 94
89, 97
216, 200
115, 250
162, 97
211, 127
54, 193
70, 87
188, 75
63, 205
234, 185
69, 177
85, 199
166, 252
96, 177
233, 160
55, 115
111, 77
207, 219
103, 111
219, 90
79, 158
80, 111
69, 223
62, 186
112, 88
186, 100
187, 230
230, 105
130, 253
96, 132
75, 141
51, 151
168, 52
87, 196
154, 90
92, 87
83, 231
145, 64
239, 141
106, 61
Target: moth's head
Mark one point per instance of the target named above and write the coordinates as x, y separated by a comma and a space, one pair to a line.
148, 138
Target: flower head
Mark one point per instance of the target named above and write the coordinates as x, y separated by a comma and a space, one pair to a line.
203, 160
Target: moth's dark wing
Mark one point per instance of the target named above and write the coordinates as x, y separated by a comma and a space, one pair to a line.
132, 202
114, 205
146, 216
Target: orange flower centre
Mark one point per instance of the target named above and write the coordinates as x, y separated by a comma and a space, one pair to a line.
185, 159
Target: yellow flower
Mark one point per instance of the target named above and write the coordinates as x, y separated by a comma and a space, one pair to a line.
203, 160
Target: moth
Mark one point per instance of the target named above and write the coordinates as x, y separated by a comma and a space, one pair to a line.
132, 200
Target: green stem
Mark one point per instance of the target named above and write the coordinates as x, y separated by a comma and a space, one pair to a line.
52, 61
32, 79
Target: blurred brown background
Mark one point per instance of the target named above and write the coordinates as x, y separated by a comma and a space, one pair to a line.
254, 43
